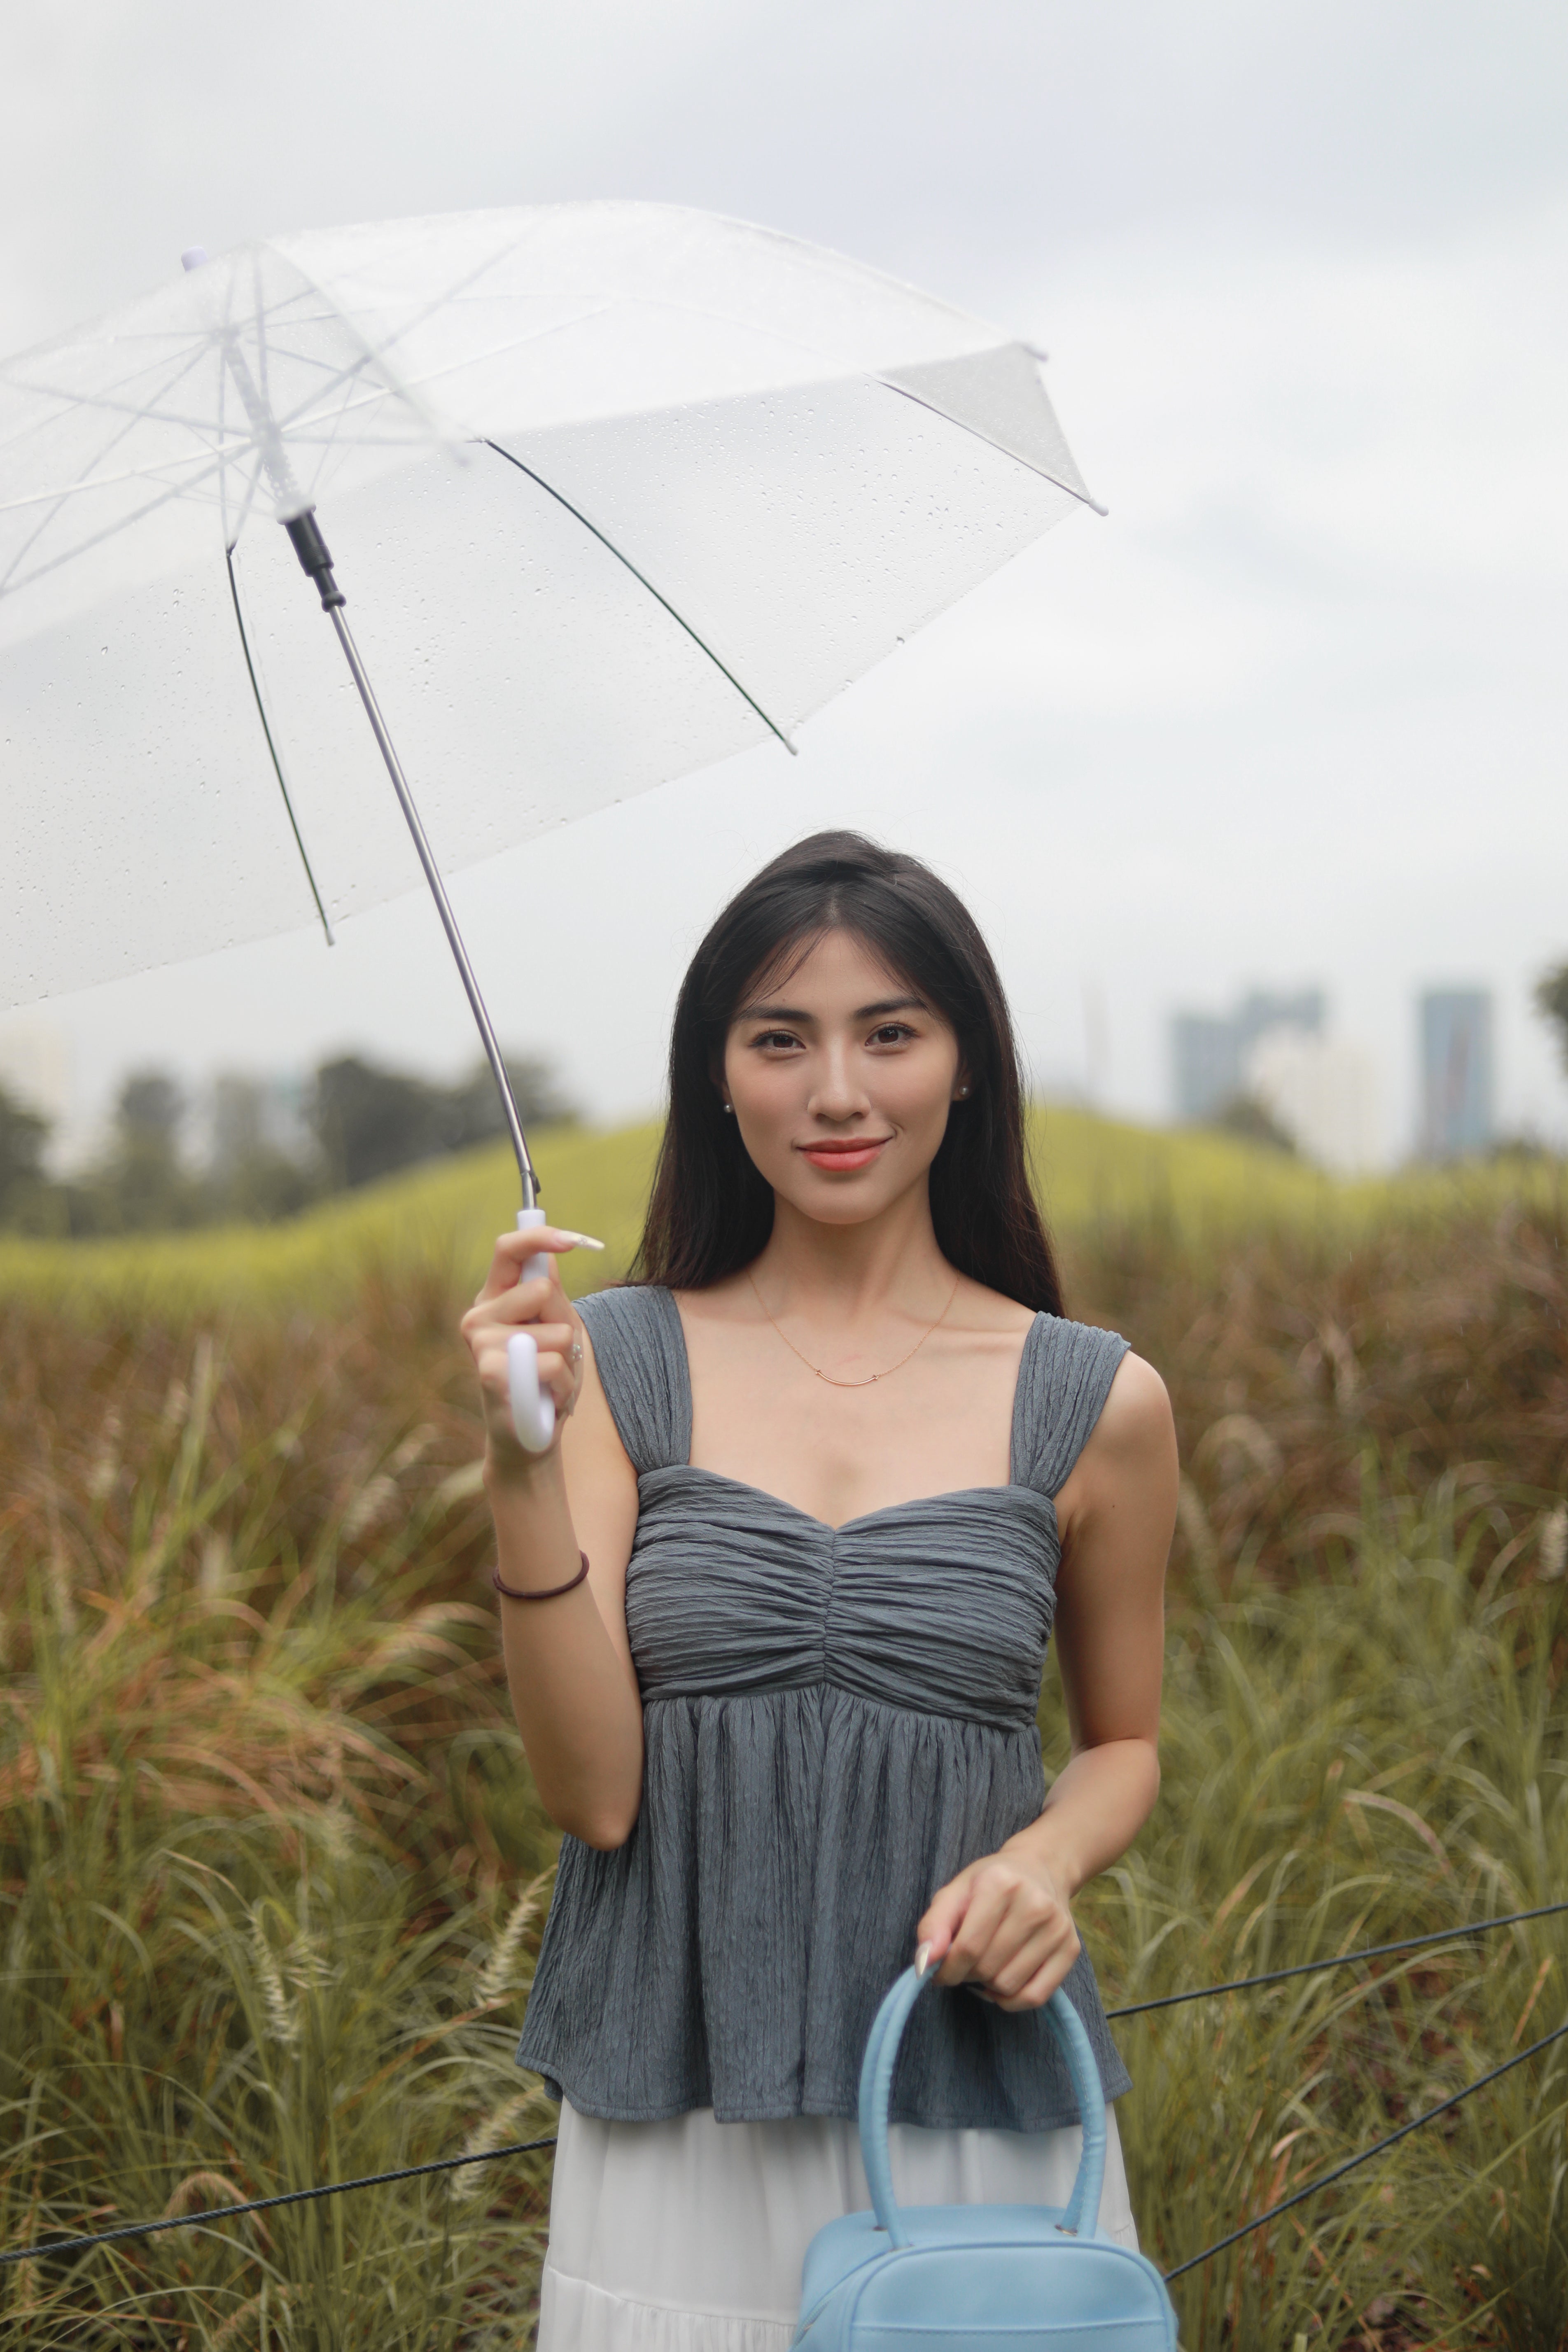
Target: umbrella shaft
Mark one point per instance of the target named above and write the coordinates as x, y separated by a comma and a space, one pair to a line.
443, 906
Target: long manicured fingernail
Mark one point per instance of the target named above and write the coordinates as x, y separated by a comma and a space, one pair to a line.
582, 1240
922, 1959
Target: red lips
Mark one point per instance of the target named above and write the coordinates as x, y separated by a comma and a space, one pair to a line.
842, 1157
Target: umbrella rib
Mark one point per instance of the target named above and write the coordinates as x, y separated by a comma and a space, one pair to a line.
156, 470
253, 484
415, 384
973, 430
115, 402
56, 499
643, 580
230, 537
182, 360
118, 403
260, 310
209, 453
272, 748
212, 462
324, 448
55, 503
8, 583
394, 387
462, 290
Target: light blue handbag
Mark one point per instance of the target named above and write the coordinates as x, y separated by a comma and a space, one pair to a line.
999, 2278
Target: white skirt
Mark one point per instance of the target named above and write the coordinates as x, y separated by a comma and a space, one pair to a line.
689, 2236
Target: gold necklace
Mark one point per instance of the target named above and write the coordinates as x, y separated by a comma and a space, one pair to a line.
821, 1375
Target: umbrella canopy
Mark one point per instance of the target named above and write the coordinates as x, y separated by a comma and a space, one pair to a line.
615, 490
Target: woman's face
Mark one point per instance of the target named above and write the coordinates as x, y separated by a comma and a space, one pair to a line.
841, 1079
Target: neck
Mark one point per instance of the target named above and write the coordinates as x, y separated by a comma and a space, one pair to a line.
845, 1274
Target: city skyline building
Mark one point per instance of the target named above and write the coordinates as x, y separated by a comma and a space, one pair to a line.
1458, 1074
1209, 1051
1322, 1092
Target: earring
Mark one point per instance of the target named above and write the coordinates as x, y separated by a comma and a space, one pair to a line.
962, 1092
729, 1110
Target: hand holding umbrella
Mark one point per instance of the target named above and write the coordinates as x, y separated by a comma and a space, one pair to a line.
526, 1343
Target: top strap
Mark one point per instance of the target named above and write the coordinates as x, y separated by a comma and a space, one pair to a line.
1064, 1380
639, 1349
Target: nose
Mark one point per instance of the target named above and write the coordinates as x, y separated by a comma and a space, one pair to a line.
838, 1094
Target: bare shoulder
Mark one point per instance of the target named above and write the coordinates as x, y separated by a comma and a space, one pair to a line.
976, 1308
724, 1301
1126, 1472
1136, 1425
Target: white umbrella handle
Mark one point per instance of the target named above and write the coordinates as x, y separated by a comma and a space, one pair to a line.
532, 1409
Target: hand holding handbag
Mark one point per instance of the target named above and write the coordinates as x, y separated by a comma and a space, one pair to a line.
978, 2278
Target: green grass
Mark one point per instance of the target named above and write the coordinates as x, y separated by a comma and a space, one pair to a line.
270, 1889
271, 1868
1378, 1753
443, 1216
1092, 1169
1200, 1182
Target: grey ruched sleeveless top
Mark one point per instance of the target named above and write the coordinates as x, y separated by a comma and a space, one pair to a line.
835, 1721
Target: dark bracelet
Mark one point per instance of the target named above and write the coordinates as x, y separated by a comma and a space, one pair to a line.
511, 1593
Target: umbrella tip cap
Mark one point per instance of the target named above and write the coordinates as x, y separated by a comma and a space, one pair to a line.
194, 256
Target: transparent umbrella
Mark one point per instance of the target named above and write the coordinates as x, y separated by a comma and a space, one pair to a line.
618, 489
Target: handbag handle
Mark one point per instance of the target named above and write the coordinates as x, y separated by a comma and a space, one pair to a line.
1081, 2217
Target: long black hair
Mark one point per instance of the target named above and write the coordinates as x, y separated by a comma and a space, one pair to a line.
711, 1212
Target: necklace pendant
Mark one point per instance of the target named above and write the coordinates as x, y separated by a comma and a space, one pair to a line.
875, 1377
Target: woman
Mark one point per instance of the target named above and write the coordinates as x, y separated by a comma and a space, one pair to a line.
776, 1606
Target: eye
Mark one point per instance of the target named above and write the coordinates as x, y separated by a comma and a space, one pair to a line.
891, 1033
775, 1038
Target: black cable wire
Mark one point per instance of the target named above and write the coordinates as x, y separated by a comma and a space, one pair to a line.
1344, 1960
1204, 1992
1367, 2154
265, 2204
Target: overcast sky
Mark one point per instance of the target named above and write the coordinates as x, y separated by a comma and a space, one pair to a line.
1295, 712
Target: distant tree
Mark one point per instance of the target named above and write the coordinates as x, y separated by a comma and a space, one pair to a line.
249, 1175
1551, 1004
474, 1105
1249, 1116
369, 1122
142, 1184
362, 1121
23, 1135
1521, 1145
151, 1111
238, 1122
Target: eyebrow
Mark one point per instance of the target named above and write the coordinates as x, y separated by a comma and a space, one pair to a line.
792, 1012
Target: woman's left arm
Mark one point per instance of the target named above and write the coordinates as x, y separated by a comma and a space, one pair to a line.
1005, 1924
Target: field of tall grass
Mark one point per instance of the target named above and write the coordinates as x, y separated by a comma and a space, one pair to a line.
272, 1872
440, 1218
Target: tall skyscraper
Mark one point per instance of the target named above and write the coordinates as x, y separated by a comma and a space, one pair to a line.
1208, 1054
1457, 1089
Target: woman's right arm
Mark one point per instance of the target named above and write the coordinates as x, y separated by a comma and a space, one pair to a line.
568, 1661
